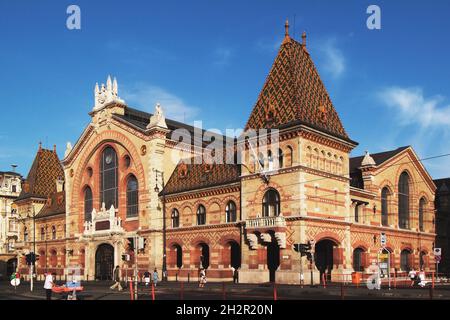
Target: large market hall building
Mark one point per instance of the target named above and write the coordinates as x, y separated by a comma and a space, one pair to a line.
127, 172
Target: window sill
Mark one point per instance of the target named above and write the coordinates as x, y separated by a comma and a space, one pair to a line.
132, 219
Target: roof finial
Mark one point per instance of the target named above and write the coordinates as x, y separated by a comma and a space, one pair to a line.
54, 148
304, 38
286, 28
40, 146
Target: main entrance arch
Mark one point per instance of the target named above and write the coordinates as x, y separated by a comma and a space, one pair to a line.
104, 262
324, 257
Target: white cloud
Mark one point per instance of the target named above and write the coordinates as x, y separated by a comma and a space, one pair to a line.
333, 60
423, 122
222, 56
146, 96
414, 107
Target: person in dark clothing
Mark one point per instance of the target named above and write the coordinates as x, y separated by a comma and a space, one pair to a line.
235, 276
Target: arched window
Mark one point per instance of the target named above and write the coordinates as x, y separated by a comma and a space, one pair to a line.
108, 178
271, 204
358, 259
88, 204
231, 211
175, 218
289, 156
405, 260
422, 204
280, 158
261, 161
42, 234
132, 196
385, 206
53, 232
25, 234
403, 201
270, 160
201, 215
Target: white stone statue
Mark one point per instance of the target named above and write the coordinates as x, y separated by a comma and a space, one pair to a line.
157, 119
68, 149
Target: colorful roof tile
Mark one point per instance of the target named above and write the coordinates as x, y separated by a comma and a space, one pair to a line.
41, 179
295, 94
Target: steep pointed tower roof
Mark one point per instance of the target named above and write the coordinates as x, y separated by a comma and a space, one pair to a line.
41, 179
294, 94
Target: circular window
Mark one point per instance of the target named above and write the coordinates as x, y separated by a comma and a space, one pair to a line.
108, 159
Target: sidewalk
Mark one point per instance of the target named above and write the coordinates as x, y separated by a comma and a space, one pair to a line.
230, 291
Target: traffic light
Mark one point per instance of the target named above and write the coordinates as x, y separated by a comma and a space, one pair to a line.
31, 258
303, 248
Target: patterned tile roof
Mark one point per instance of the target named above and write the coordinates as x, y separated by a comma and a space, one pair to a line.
191, 176
294, 94
41, 179
56, 204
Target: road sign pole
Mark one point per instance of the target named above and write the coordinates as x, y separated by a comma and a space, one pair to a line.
31, 277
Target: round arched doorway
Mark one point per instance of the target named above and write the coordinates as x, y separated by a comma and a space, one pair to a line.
104, 262
11, 266
323, 257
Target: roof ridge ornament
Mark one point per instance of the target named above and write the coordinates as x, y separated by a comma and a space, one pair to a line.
368, 160
287, 38
157, 119
105, 95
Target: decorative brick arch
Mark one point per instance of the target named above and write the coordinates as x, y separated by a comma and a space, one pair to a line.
361, 244
108, 137
412, 182
227, 238
200, 239
261, 191
387, 184
327, 235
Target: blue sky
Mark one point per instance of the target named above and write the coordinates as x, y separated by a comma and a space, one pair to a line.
207, 60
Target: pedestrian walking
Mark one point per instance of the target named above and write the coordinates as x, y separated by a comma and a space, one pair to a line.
48, 285
155, 277
202, 281
116, 276
235, 275
147, 278
412, 276
421, 280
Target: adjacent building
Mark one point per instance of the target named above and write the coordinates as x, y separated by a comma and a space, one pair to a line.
442, 204
10, 187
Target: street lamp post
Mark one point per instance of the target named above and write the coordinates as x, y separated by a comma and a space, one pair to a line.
164, 264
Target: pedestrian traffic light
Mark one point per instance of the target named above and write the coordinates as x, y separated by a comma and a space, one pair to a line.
302, 248
30, 258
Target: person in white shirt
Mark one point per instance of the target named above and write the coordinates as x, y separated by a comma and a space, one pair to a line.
48, 285
412, 276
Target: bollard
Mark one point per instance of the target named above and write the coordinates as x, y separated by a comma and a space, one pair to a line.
275, 295
224, 294
153, 291
342, 291
182, 291
131, 291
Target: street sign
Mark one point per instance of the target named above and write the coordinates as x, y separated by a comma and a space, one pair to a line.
15, 282
437, 252
383, 239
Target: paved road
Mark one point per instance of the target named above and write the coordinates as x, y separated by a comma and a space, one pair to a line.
215, 291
